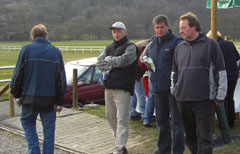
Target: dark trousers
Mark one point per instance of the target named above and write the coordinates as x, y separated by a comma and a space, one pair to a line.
197, 121
229, 103
165, 105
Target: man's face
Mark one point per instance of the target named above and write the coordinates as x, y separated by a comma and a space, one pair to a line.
186, 31
118, 34
160, 29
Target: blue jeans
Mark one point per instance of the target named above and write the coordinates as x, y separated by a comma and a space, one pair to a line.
165, 105
149, 108
138, 97
48, 119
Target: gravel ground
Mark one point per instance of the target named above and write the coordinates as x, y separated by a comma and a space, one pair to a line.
14, 144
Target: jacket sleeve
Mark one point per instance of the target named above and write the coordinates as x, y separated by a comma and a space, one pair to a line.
174, 73
61, 84
17, 80
101, 63
146, 52
140, 64
106, 63
220, 74
126, 59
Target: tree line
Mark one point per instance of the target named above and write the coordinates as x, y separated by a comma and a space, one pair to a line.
91, 19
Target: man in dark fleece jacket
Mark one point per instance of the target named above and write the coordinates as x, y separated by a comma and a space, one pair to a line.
198, 81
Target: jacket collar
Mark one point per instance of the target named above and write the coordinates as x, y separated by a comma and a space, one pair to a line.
219, 39
120, 42
201, 37
165, 37
41, 40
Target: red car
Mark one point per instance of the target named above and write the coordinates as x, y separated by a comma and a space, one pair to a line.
89, 88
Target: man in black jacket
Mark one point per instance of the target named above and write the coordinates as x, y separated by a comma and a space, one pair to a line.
231, 56
118, 63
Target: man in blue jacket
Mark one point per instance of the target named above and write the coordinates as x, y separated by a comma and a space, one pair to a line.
161, 50
39, 82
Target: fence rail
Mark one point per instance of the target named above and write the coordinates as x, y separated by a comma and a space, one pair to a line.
6, 67
62, 48
67, 48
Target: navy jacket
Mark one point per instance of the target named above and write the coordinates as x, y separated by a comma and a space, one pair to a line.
39, 76
161, 50
231, 56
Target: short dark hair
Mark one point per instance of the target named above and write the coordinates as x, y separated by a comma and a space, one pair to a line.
160, 18
39, 30
192, 20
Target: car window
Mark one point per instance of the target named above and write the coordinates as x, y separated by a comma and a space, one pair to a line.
86, 77
69, 71
96, 75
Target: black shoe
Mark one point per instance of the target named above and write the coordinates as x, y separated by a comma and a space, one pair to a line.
136, 117
125, 150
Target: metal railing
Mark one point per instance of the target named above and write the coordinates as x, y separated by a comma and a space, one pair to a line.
6, 67
62, 48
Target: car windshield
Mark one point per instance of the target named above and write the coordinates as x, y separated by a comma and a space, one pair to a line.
69, 71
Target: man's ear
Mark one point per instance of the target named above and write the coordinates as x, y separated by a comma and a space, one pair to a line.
194, 27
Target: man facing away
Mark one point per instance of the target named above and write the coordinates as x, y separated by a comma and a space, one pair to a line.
161, 50
198, 82
118, 62
231, 56
39, 81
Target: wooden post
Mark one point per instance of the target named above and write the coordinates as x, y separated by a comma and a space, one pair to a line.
214, 36
75, 92
11, 106
214, 19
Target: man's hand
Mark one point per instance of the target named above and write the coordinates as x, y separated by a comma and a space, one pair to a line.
58, 108
17, 101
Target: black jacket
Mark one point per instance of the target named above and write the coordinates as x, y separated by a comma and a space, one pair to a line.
121, 78
230, 55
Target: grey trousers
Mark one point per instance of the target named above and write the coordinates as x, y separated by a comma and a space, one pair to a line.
117, 103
